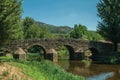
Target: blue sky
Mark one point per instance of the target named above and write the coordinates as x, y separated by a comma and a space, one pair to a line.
63, 12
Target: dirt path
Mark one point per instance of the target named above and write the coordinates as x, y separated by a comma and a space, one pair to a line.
9, 72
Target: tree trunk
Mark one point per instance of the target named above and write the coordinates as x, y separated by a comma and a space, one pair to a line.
115, 47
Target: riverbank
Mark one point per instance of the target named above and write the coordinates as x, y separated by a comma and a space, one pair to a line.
32, 70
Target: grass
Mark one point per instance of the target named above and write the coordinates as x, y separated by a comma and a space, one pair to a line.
44, 70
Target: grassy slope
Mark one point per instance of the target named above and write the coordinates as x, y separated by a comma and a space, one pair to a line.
44, 70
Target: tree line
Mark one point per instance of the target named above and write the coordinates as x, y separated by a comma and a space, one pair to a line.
32, 30
81, 32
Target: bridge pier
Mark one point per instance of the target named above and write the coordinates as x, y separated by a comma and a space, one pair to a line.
20, 54
52, 55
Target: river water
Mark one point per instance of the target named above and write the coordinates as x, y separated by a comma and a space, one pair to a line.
93, 72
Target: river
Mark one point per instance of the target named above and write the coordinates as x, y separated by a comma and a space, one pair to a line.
93, 72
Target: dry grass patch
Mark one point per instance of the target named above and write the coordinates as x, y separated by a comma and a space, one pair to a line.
9, 72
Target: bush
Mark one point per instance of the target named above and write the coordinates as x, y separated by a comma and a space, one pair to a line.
34, 57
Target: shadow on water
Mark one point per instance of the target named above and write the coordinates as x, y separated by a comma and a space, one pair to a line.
93, 72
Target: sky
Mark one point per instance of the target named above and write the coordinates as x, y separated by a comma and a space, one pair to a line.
63, 12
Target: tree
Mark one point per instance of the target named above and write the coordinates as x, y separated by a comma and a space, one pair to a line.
94, 36
109, 27
28, 21
32, 32
63, 53
79, 31
35, 32
10, 21
43, 32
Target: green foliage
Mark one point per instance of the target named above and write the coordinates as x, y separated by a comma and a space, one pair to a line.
54, 29
43, 32
32, 30
58, 36
60, 30
34, 57
27, 22
63, 53
6, 58
35, 49
45, 70
94, 36
36, 53
109, 27
51, 31
10, 21
79, 32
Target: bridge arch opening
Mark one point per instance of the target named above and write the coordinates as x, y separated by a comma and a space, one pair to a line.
66, 52
36, 52
94, 52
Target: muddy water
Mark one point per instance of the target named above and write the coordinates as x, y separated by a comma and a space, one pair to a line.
93, 72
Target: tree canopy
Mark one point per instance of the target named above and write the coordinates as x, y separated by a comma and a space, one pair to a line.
79, 31
27, 22
10, 21
32, 30
109, 27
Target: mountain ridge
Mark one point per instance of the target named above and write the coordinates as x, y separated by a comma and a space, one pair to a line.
54, 29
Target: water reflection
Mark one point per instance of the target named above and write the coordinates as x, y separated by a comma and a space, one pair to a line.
93, 71
102, 76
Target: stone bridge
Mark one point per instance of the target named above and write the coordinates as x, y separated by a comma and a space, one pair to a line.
75, 47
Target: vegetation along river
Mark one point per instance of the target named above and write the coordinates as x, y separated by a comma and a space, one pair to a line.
92, 72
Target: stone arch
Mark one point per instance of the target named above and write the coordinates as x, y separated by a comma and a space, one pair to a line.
37, 45
40, 47
71, 51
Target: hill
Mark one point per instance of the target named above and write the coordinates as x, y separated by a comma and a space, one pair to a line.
54, 29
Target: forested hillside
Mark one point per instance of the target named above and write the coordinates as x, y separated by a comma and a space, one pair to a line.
54, 29
37, 29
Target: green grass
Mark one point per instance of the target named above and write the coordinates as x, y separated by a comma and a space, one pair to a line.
44, 70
